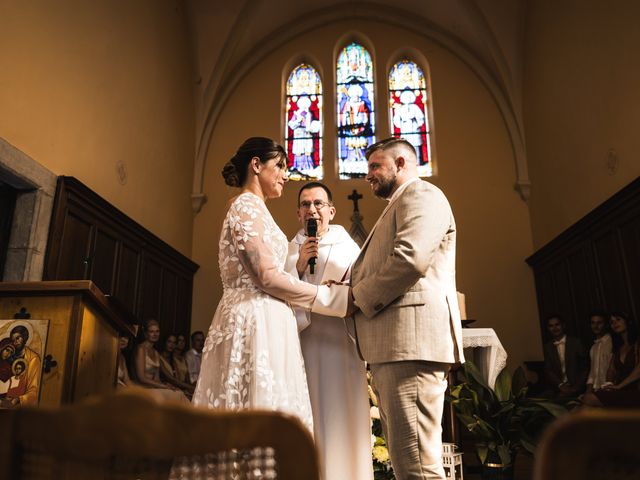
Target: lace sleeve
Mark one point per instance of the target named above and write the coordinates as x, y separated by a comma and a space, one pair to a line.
254, 235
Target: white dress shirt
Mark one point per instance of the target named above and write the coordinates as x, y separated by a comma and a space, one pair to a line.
193, 359
600, 354
401, 188
560, 347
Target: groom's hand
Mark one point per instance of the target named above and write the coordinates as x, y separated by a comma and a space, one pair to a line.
352, 308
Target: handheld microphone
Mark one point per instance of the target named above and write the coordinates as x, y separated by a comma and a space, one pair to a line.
312, 231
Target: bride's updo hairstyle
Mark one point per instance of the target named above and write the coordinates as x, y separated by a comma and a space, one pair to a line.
235, 170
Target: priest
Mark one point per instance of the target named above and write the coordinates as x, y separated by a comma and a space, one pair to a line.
335, 373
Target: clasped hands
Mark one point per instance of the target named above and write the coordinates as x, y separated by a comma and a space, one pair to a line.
352, 308
309, 250
610, 386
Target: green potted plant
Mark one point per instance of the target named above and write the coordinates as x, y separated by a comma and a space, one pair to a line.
502, 420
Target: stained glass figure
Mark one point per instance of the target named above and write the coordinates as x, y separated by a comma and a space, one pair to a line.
408, 111
304, 123
356, 120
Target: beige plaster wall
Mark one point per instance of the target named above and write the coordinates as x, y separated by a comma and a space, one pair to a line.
86, 85
582, 73
475, 169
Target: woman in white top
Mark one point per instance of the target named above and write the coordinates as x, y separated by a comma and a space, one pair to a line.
147, 366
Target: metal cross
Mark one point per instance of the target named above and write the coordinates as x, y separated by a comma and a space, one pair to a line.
354, 197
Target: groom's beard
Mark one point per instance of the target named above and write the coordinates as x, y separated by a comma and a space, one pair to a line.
385, 187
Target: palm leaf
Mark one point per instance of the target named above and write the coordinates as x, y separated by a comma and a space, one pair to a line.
527, 443
507, 407
455, 390
475, 377
519, 384
504, 419
505, 455
482, 451
503, 385
553, 408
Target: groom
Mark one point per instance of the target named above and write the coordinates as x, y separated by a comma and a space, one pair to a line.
408, 325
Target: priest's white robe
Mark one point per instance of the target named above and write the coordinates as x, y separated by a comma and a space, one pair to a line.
335, 373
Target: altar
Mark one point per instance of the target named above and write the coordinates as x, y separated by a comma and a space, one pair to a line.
482, 347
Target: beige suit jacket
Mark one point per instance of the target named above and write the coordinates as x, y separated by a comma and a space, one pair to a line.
404, 282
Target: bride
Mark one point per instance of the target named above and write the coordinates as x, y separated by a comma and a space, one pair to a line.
251, 357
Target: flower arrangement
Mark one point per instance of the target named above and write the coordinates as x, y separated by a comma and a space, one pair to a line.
380, 454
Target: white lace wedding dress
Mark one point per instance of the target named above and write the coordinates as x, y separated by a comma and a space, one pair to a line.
252, 357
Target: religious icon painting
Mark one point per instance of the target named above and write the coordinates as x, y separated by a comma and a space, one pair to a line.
355, 112
408, 111
304, 123
22, 347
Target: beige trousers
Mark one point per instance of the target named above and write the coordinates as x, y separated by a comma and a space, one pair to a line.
411, 398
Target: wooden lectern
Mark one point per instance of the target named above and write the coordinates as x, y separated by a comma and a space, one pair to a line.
82, 345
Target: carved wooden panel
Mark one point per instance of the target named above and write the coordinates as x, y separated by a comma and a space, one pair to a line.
610, 263
183, 304
594, 264
126, 285
72, 259
90, 239
168, 301
630, 238
103, 264
150, 289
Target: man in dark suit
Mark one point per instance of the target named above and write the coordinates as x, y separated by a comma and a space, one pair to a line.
565, 361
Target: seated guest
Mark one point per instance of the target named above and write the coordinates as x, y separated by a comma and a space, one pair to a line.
194, 356
623, 376
600, 353
147, 364
168, 369
565, 362
180, 364
123, 379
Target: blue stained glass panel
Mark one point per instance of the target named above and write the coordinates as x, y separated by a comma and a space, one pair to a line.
304, 123
355, 109
408, 112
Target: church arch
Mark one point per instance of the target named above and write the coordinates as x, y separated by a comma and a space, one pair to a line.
390, 16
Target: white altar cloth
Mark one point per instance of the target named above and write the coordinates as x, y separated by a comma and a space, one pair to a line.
482, 346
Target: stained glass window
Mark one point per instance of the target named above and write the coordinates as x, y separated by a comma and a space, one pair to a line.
356, 121
408, 111
304, 123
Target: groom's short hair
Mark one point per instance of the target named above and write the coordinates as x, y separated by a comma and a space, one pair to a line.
388, 144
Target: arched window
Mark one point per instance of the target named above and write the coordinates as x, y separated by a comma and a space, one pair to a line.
304, 123
355, 119
408, 111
